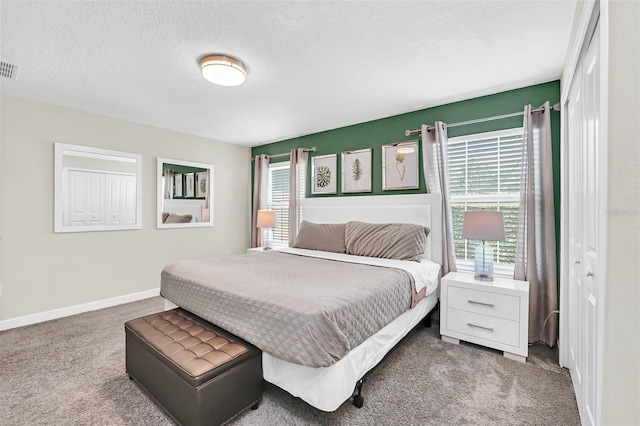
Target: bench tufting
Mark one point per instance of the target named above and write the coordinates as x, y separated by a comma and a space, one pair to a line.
198, 373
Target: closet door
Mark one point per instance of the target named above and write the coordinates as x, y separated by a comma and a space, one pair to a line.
121, 199
583, 230
575, 176
591, 207
85, 196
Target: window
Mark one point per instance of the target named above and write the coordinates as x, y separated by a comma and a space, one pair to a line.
278, 200
484, 172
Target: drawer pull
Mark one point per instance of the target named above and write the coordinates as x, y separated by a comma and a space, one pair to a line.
473, 302
479, 326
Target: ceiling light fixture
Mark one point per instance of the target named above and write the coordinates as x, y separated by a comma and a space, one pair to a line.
223, 70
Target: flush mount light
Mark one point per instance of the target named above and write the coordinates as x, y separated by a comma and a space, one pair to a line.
405, 150
223, 70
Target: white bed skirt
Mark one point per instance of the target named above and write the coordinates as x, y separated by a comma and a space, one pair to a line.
327, 388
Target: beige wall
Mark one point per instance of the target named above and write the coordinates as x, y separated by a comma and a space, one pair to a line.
41, 271
621, 359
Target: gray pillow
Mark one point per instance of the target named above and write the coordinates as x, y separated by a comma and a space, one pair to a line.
178, 218
402, 241
321, 236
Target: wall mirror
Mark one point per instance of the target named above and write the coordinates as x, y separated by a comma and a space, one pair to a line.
96, 189
185, 194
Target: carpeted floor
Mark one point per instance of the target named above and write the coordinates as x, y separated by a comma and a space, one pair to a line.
71, 372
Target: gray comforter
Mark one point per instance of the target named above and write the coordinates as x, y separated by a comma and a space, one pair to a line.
301, 309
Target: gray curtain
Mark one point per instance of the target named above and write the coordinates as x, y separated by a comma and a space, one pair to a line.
297, 186
436, 175
168, 184
536, 244
260, 188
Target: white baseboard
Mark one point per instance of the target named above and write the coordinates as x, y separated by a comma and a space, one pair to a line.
77, 309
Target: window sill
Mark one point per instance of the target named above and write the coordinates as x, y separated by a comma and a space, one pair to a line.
505, 271
277, 245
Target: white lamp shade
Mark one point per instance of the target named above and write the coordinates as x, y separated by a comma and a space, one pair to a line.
483, 225
267, 219
223, 70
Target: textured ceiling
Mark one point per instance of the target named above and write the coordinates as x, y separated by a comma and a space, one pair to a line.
313, 66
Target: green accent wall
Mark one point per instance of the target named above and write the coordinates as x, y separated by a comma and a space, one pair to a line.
374, 134
180, 170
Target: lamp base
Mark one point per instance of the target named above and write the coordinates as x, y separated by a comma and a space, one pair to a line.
482, 278
483, 263
266, 240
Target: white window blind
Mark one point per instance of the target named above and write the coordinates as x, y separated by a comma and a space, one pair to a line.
278, 200
484, 172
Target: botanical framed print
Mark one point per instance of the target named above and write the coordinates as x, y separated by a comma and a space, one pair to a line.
177, 186
356, 170
324, 174
190, 185
400, 166
201, 184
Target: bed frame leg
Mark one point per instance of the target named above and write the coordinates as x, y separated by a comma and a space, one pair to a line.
427, 322
358, 400
427, 319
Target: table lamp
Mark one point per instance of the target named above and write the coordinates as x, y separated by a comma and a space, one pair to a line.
266, 220
485, 226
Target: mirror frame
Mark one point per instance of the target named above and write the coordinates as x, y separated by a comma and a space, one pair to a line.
160, 193
59, 149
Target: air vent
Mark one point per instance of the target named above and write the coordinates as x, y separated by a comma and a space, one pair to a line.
8, 70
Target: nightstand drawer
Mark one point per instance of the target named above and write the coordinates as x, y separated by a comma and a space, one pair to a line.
476, 326
484, 302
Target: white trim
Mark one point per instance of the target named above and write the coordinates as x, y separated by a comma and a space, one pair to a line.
603, 174
574, 55
76, 309
563, 352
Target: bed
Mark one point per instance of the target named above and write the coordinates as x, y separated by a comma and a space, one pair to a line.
335, 344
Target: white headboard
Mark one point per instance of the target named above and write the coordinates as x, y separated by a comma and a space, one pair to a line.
421, 209
192, 207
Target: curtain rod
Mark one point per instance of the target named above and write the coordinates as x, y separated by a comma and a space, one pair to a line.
286, 154
481, 120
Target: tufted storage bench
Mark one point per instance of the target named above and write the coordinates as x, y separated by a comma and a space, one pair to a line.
198, 373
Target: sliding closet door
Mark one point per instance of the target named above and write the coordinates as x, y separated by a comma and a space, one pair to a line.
583, 229
591, 207
574, 224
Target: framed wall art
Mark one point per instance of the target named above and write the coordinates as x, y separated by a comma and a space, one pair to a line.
324, 174
201, 184
400, 166
189, 185
177, 185
356, 170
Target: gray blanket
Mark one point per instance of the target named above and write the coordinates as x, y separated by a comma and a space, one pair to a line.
300, 309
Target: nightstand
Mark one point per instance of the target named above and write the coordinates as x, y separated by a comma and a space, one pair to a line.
494, 314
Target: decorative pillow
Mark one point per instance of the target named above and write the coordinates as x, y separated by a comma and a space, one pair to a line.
321, 236
179, 218
402, 241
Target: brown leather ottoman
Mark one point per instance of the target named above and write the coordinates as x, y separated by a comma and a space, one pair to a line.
198, 373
